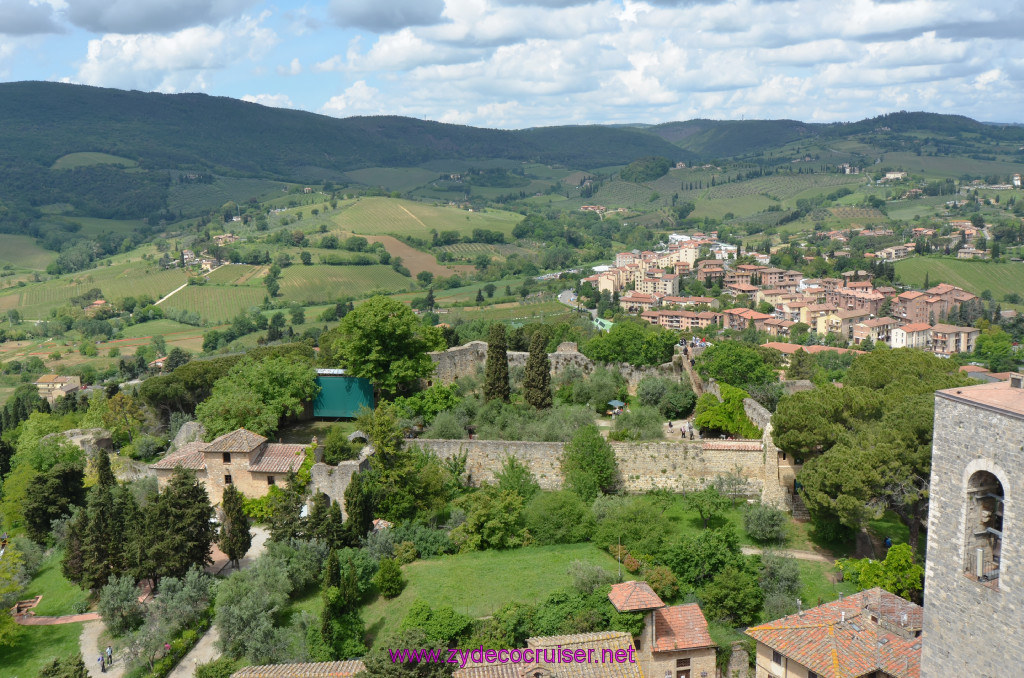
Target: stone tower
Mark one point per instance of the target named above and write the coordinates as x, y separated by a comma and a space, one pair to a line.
974, 581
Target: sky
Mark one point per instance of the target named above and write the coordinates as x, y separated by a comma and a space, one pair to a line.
526, 63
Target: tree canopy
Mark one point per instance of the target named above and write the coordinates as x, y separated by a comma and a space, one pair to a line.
382, 340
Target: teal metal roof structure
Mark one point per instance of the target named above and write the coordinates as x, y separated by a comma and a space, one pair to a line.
341, 395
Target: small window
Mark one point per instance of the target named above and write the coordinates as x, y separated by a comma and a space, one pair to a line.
270, 480
227, 479
812, 674
227, 457
776, 657
685, 673
683, 663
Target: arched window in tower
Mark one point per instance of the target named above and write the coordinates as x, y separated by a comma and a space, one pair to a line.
984, 527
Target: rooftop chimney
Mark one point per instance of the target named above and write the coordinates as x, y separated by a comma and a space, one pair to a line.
799, 607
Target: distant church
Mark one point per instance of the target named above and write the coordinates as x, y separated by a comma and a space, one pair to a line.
974, 581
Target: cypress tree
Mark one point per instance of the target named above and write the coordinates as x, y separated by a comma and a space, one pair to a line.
496, 375
178, 528
104, 474
359, 505
235, 537
334, 530
479, 296
316, 524
100, 523
537, 380
71, 564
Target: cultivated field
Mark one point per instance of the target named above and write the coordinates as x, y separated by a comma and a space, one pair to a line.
115, 282
393, 178
307, 284
216, 303
415, 260
234, 274
73, 160
387, 216
973, 276
21, 251
191, 198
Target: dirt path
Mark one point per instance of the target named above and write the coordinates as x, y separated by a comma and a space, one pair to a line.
171, 294
813, 556
89, 642
204, 651
31, 620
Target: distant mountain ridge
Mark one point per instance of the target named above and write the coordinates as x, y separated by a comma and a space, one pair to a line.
44, 121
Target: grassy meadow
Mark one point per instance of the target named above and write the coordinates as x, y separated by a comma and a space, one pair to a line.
972, 275
390, 216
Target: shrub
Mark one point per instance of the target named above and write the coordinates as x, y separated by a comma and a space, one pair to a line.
514, 476
588, 464
218, 668
119, 605
406, 552
661, 579
733, 596
429, 541
587, 578
641, 423
389, 580
765, 523
447, 426
337, 447
558, 518
630, 563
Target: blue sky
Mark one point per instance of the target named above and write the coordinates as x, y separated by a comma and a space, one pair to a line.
523, 63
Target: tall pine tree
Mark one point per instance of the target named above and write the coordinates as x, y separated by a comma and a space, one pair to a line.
341, 625
235, 536
496, 374
537, 380
178, 532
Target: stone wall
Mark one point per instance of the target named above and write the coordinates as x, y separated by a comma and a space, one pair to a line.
334, 480
465, 360
973, 628
677, 466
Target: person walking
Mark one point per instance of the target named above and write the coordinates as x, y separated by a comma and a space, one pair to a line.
103, 666
110, 656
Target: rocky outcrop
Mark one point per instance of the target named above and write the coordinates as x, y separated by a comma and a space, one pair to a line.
189, 432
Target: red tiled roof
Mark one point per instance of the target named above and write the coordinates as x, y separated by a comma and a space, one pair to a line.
343, 669
789, 349
858, 635
972, 368
711, 444
916, 327
279, 458
632, 596
189, 455
239, 440
680, 627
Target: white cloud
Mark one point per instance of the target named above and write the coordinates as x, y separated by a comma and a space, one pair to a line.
272, 100
387, 15
293, 68
358, 99
175, 62
27, 17
150, 16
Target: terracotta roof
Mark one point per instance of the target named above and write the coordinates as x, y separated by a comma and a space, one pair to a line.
947, 329
279, 458
972, 368
608, 640
681, 627
239, 440
48, 379
632, 596
189, 455
915, 327
343, 669
998, 395
858, 635
879, 322
710, 444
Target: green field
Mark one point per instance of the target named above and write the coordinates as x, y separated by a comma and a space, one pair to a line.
73, 160
512, 313
307, 284
116, 282
193, 198
946, 167
21, 251
95, 226
216, 303
36, 646
973, 276
388, 216
393, 178
235, 274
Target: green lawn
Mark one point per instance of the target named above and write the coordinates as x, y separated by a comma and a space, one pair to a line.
73, 160
36, 646
59, 595
476, 584
815, 584
21, 251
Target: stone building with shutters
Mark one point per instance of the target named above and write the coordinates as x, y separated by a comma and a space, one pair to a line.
675, 642
241, 458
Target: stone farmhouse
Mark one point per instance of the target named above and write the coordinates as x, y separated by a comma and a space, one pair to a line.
54, 386
973, 572
870, 634
675, 641
241, 458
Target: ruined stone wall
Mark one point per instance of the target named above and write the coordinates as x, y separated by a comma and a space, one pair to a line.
333, 480
465, 360
677, 466
971, 628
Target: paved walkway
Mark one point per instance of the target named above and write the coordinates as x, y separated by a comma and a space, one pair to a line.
32, 620
814, 556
